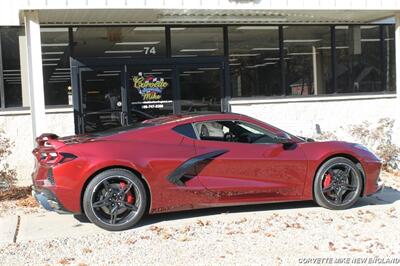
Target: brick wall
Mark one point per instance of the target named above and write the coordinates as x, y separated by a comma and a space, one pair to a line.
17, 126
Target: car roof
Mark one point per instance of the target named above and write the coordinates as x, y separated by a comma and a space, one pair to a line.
192, 117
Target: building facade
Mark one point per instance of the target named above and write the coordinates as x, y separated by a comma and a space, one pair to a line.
81, 66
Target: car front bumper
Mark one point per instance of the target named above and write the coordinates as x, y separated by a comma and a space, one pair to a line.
380, 186
48, 200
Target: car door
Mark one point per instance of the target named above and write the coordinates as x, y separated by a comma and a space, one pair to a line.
253, 170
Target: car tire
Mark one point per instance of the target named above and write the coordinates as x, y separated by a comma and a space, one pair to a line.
337, 184
105, 199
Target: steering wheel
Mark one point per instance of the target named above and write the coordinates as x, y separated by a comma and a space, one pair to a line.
229, 137
245, 138
257, 138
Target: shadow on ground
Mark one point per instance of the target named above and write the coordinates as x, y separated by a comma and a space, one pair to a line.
387, 196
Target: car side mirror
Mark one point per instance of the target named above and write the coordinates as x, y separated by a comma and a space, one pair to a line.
286, 141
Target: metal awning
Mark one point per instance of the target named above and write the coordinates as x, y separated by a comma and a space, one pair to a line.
190, 16
198, 11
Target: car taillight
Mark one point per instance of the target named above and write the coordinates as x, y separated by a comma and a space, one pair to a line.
55, 157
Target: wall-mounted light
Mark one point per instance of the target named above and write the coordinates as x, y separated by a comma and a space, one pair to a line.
301, 41
52, 53
241, 55
198, 50
137, 43
149, 28
123, 51
54, 44
51, 59
265, 49
257, 28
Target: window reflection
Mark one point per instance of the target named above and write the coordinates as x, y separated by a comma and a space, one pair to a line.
254, 60
358, 59
193, 42
119, 42
389, 58
364, 61
56, 70
200, 89
307, 52
10, 39
101, 93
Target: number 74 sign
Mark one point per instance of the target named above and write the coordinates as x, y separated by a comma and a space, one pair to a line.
149, 50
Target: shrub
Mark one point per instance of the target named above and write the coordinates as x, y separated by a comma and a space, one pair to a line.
378, 139
7, 175
325, 136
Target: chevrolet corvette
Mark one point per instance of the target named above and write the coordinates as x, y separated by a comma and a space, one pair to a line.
193, 161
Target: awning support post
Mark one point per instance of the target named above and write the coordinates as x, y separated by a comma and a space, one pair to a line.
35, 73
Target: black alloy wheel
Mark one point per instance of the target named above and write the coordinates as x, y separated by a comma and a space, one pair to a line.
338, 184
115, 200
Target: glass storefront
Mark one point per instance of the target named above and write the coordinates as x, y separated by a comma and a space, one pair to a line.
11, 83
56, 69
119, 42
114, 95
307, 60
129, 73
197, 41
388, 58
150, 91
254, 60
358, 57
200, 88
101, 98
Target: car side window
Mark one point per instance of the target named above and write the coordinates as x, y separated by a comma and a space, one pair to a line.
186, 130
210, 129
233, 131
254, 134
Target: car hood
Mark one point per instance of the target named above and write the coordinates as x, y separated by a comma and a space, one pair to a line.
329, 148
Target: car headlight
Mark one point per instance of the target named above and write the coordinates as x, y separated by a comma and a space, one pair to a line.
361, 147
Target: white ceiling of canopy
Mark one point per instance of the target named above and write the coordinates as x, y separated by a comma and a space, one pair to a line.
148, 16
198, 11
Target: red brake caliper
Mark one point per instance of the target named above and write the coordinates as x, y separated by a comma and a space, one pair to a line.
327, 181
129, 197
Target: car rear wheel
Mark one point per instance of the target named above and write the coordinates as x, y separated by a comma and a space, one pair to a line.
115, 200
337, 184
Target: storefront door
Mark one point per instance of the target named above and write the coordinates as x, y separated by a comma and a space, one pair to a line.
150, 91
108, 96
101, 98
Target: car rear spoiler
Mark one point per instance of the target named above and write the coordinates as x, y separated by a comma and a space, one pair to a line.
47, 140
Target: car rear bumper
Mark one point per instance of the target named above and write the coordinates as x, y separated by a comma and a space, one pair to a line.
48, 200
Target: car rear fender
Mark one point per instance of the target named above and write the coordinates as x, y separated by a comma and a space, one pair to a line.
139, 171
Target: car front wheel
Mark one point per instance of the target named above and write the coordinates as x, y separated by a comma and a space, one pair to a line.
115, 200
338, 184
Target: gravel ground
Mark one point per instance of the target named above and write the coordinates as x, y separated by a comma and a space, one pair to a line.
20, 207
275, 234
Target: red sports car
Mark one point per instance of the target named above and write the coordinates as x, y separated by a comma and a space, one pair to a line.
195, 161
